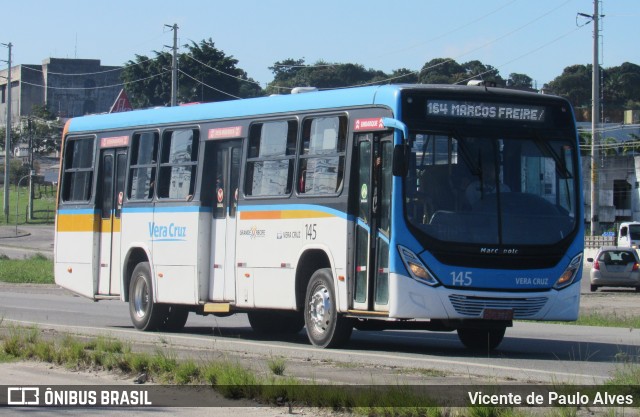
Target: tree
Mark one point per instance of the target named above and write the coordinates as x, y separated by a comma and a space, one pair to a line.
441, 71
621, 84
585, 143
292, 73
404, 75
575, 84
632, 146
516, 80
478, 70
148, 80
448, 71
205, 74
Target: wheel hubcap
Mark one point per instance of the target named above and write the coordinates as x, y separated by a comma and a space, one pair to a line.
320, 309
141, 298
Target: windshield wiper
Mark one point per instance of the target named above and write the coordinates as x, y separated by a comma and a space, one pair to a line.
547, 150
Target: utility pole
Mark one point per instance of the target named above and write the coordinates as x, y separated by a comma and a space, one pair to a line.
595, 117
7, 142
174, 65
31, 170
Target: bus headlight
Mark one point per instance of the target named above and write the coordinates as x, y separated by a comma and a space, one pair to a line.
569, 274
416, 268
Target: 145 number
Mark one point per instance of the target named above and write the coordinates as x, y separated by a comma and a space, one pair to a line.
310, 230
462, 278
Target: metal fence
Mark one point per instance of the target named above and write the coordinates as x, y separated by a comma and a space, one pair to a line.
595, 242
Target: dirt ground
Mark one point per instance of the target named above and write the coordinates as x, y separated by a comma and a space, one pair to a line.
617, 302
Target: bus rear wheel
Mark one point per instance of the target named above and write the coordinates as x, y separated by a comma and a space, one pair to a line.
145, 314
175, 318
325, 328
482, 340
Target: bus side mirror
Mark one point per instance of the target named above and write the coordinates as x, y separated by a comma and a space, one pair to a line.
400, 160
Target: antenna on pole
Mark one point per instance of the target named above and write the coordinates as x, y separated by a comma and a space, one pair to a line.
174, 65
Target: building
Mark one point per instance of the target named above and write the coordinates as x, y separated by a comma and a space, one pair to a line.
67, 87
618, 174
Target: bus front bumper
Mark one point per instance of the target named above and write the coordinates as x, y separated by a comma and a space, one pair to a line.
409, 299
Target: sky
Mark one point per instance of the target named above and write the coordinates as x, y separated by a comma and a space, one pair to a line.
538, 38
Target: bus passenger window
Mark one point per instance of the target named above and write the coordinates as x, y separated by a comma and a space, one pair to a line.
178, 163
142, 172
78, 169
269, 170
322, 155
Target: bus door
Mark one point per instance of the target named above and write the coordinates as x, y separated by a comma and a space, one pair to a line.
227, 158
113, 163
373, 187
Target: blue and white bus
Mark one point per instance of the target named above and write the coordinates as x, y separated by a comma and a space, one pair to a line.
389, 207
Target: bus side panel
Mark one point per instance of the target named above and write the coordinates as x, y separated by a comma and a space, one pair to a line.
270, 243
174, 232
134, 236
204, 272
75, 246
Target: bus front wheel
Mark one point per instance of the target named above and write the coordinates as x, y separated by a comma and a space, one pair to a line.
325, 328
145, 313
485, 339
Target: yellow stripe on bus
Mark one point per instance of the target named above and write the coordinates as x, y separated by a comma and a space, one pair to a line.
86, 223
78, 223
283, 214
106, 225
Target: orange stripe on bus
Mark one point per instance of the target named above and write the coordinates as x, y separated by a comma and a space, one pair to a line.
283, 214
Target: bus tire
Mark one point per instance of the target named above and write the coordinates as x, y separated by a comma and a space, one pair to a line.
275, 322
145, 314
482, 340
175, 318
325, 327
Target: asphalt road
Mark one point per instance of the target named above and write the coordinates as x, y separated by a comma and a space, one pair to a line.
531, 352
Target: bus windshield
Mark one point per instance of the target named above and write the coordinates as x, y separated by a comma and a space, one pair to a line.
490, 188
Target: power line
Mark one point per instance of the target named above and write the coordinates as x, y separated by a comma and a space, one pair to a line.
207, 85
94, 88
222, 72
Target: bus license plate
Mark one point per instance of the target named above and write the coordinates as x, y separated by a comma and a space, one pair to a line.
497, 314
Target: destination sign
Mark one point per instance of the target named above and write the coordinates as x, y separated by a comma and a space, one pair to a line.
479, 110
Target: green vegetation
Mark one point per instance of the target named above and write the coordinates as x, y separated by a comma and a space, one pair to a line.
230, 379
35, 270
608, 320
44, 204
277, 366
233, 380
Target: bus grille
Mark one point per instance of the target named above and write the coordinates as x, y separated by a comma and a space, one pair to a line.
473, 306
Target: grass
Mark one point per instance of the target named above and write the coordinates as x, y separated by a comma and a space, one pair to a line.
35, 270
233, 380
608, 320
277, 366
44, 204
